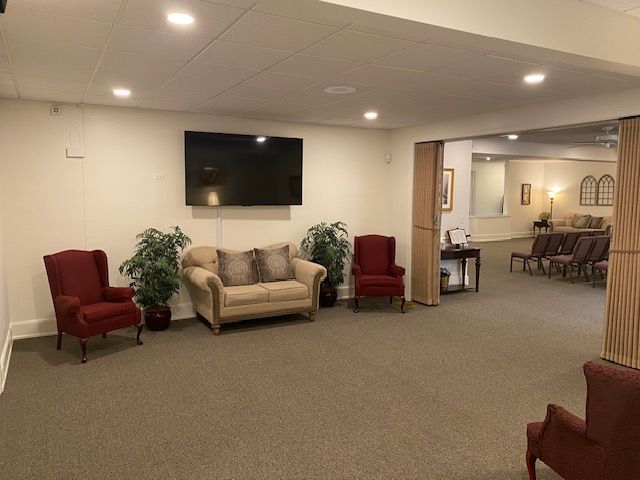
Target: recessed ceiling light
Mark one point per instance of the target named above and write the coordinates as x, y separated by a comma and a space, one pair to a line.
512, 136
180, 18
261, 139
339, 90
534, 78
487, 158
371, 115
121, 92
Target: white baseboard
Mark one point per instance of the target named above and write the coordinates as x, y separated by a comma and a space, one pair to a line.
496, 237
5, 357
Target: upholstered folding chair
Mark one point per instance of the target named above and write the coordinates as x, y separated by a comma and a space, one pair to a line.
84, 303
374, 268
605, 446
602, 267
578, 259
538, 249
553, 246
600, 250
569, 242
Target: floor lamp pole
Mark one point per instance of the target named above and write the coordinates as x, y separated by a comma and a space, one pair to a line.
551, 213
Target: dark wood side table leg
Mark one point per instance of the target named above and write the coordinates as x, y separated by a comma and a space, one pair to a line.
478, 262
464, 271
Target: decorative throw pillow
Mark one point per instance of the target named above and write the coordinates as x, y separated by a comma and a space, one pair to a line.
274, 265
581, 221
235, 268
596, 222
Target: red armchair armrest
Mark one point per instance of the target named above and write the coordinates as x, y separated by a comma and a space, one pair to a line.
356, 270
118, 294
67, 307
396, 270
566, 448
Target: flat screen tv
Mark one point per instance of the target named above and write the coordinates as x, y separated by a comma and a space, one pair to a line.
229, 169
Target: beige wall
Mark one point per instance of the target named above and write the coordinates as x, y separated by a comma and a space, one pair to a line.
522, 216
489, 186
54, 203
4, 314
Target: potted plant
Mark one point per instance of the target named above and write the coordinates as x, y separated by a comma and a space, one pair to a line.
327, 244
444, 279
153, 270
544, 216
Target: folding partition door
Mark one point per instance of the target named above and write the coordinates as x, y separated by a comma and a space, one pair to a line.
427, 211
621, 342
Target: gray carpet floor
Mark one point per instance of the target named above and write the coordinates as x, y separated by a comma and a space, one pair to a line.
438, 393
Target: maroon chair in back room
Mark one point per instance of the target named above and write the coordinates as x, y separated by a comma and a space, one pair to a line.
375, 270
84, 303
605, 446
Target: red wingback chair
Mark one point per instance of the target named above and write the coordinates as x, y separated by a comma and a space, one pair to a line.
606, 445
375, 270
84, 303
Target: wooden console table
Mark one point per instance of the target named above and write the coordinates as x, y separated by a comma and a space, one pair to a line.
462, 254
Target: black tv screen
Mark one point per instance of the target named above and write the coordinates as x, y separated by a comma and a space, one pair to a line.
229, 169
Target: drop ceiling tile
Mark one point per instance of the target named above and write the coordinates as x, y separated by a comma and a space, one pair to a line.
30, 82
590, 85
311, 11
234, 54
359, 88
226, 104
101, 10
425, 57
6, 79
141, 74
155, 44
248, 91
4, 64
392, 27
111, 100
50, 94
635, 12
210, 19
310, 97
20, 25
358, 47
280, 81
64, 62
233, 3
553, 75
488, 66
7, 91
312, 66
178, 104
276, 32
205, 79
378, 76
278, 108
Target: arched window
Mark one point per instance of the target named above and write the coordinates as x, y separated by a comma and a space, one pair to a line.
605, 190
588, 191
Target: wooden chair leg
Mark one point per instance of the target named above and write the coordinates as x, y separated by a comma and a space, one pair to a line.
511, 265
312, 316
138, 341
83, 346
402, 304
59, 346
531, 465
104, 335
216, 329
390, 300
355, 301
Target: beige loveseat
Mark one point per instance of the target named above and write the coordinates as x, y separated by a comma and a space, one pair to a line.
581, 222
220, 304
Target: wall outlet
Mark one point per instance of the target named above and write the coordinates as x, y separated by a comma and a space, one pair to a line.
158, 176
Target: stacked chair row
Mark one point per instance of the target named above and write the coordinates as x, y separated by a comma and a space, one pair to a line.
566, 252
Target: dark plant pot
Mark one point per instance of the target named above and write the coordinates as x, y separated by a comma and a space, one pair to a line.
328, 297
444, 283
157, 318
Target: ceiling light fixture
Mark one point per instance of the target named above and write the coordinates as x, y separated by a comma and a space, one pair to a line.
121, 92
534, 78
487, 158
339, 90
180, 18
261, 139
512, 136
371, 115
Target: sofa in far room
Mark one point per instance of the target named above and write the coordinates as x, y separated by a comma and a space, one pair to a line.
581, 222
229, 286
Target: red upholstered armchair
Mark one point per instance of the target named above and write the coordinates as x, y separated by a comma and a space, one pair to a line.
604, 447
84, 303
375, 270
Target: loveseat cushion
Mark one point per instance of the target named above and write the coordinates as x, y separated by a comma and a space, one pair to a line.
273, 264
286, 290
96, 312
235, 268
595, 222
244, 295
581, 221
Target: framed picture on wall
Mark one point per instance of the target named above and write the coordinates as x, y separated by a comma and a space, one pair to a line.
525, 195
447, 189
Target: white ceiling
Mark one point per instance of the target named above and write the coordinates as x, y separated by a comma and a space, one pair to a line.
632, 7
269, 59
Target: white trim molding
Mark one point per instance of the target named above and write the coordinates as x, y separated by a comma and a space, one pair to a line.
5, 358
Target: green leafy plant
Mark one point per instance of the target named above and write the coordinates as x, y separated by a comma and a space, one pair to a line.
444, 272
328, 245
154, 267
544, 216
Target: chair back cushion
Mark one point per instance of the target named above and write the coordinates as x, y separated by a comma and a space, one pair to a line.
553, 246
583, 249
569, 242
374, 253
613, 416
75, 273
600, 249
540, 243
